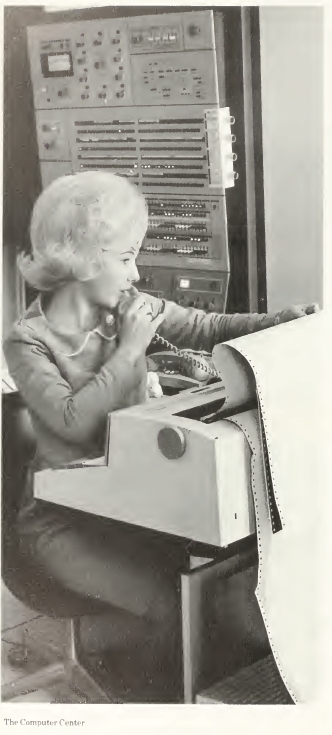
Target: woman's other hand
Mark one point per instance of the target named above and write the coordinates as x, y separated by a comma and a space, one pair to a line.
295, 312
153, 387
138, 325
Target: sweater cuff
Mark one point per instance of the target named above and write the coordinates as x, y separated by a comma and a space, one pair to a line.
125, 375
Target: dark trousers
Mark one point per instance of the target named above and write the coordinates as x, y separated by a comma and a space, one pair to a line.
127, 567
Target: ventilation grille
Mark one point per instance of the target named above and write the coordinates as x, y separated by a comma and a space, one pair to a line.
259, 683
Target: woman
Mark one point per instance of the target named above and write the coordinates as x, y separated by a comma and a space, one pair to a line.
77, 355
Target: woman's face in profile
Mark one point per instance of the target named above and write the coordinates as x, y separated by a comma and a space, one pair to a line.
119, 270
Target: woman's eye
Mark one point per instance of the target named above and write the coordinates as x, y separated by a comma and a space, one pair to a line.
126, 260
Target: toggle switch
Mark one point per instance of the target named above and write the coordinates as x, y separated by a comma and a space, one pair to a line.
194, 30
49, 128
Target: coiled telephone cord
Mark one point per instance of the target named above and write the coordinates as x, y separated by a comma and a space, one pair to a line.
185, 355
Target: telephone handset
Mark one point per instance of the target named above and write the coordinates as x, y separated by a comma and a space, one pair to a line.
176, 368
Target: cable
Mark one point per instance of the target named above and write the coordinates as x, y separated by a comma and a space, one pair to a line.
185, 356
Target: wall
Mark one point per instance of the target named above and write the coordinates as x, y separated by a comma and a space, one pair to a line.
292, 112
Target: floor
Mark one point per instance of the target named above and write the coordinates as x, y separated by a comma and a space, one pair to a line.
122, 677
21, 628
31, 642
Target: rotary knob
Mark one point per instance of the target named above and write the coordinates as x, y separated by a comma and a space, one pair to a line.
146, 281
171, 442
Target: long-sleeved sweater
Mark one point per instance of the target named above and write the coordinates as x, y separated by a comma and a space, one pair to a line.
72, 381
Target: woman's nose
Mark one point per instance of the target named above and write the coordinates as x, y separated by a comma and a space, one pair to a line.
134, 274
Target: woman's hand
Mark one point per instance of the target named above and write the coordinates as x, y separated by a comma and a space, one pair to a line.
294, 312
153, 387
137, 325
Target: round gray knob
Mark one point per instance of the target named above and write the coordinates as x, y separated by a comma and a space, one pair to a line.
171, 442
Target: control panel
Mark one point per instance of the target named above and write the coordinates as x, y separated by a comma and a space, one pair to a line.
115, 62
145, 98
184, 229
199, 288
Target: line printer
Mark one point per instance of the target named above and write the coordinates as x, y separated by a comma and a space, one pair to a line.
174, 464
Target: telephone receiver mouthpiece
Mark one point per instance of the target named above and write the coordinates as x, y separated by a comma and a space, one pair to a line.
126, 298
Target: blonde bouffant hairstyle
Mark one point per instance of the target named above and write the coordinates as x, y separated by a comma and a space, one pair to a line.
73, 220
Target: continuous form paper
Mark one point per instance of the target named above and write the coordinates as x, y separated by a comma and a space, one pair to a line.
287, 363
